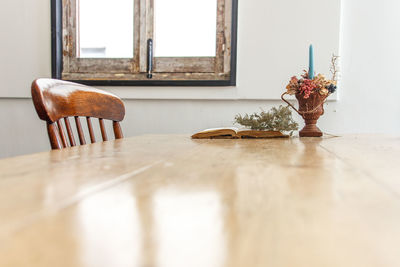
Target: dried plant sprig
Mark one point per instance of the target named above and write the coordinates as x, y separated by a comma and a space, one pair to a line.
277, 119
334, 67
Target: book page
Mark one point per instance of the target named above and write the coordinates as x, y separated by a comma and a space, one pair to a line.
221, 128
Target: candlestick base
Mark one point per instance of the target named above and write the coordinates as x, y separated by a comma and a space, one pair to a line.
311, 129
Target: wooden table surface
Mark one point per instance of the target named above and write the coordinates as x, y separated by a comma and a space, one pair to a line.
170, 201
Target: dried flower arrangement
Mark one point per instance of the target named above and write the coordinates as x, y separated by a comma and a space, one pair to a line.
311, 92
307, 85
277, 119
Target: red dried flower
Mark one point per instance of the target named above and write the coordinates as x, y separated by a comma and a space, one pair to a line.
306, 87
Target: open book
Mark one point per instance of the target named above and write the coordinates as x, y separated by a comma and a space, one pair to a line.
233, 133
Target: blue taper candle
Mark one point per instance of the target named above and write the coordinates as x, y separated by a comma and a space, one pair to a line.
311, 64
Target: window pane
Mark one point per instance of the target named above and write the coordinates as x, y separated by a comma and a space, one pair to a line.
185, 28
105, 28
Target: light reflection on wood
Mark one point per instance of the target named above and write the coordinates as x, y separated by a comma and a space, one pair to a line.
293, 202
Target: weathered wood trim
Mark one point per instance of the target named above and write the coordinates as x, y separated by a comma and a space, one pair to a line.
228, 37
72, 30
65, 34
77, 38
184, 64
69, 34
136, 49
151, 82
142, 37
149, 19
94, 65
220, 46
142, 76
146, 31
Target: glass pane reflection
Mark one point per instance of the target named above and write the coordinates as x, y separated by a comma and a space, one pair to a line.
185, 28
105, 28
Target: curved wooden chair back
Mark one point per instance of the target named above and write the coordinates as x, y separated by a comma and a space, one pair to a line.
57, 100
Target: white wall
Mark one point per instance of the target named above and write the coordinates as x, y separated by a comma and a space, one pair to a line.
368, 91
370, 50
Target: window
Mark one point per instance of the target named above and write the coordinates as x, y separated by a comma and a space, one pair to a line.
145, 42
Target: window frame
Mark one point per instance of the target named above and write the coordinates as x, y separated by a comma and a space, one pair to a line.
62, 58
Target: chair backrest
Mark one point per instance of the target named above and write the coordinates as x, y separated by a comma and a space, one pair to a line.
57, 100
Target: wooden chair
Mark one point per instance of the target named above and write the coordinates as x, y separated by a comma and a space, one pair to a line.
57, 100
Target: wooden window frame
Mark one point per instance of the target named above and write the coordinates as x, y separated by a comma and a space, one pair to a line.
168, 71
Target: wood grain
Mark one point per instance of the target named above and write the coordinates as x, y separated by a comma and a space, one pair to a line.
56, 99
173, 201
184, 64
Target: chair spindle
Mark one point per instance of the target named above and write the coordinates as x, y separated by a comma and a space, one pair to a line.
69, 132
103, 130
62, 134
91, 133
82, 140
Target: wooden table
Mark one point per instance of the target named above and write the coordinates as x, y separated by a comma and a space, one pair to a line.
172, 201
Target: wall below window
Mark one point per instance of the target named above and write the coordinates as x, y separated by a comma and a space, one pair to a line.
369, 89
27, 134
